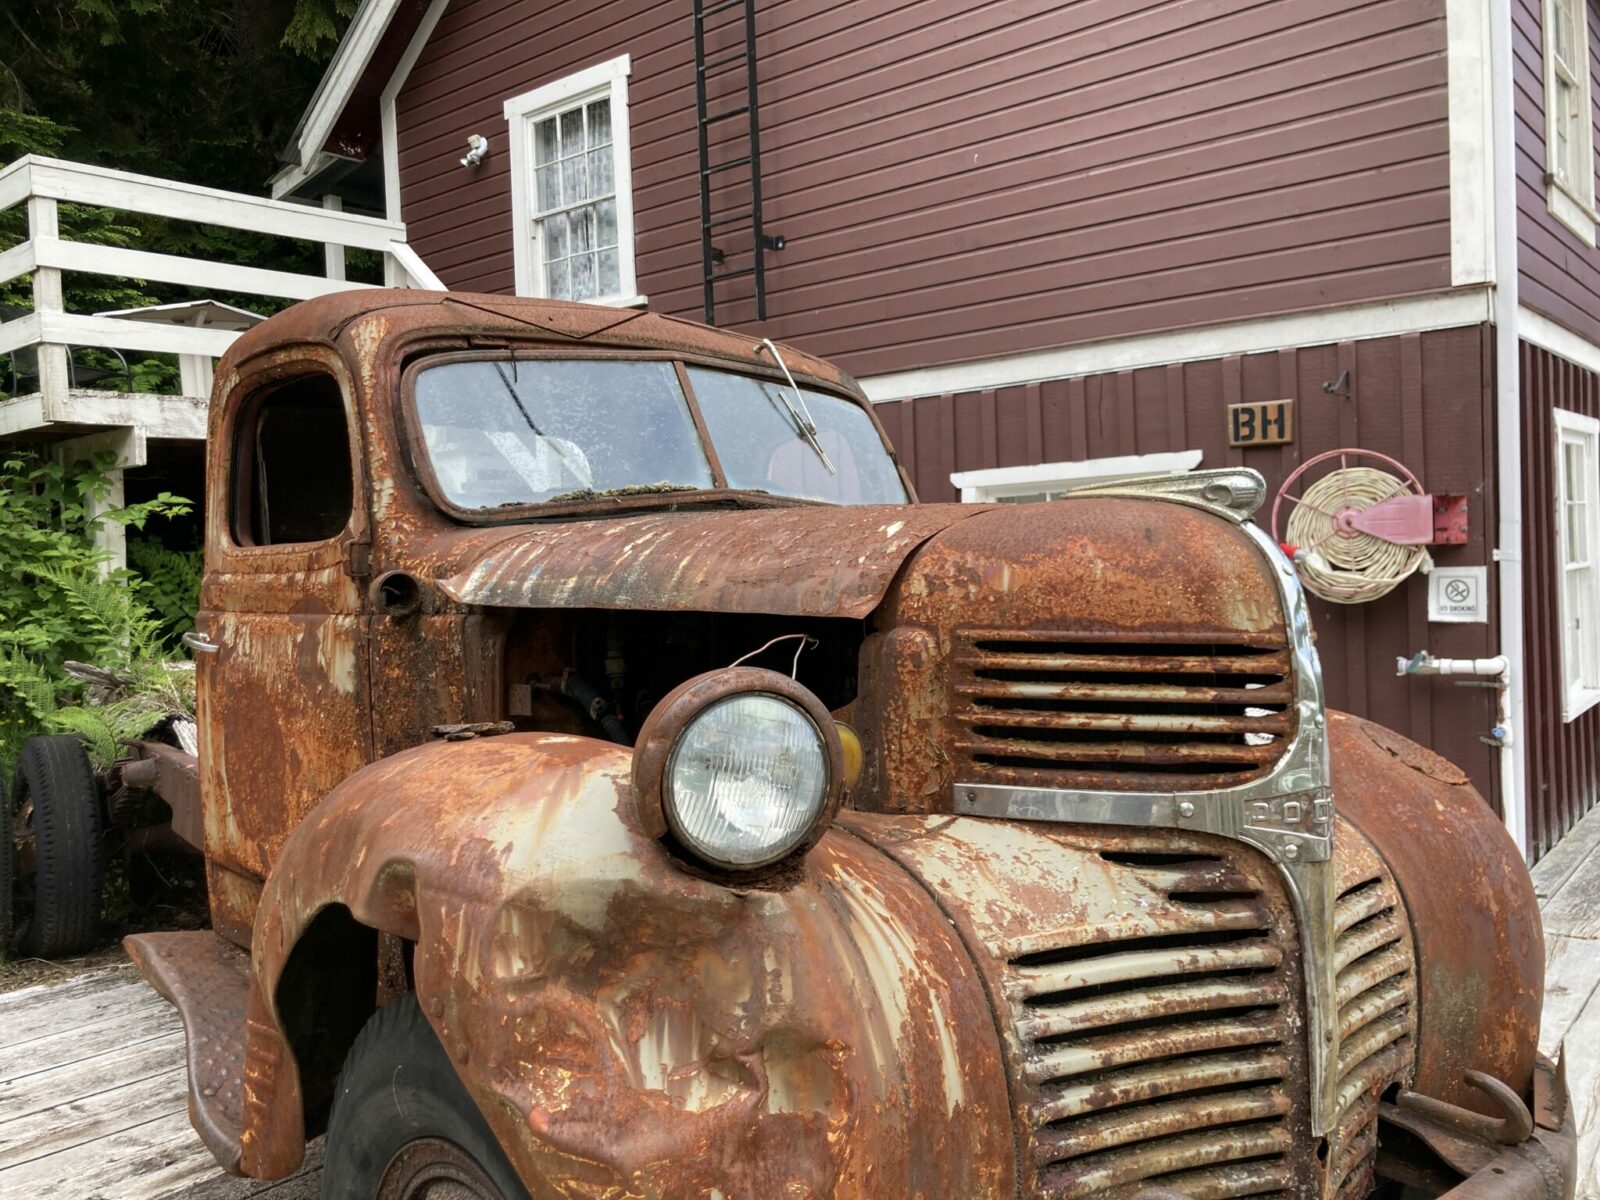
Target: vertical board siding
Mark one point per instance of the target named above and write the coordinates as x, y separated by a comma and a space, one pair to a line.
965, 178
1559, 275
1422, 398
1563, 756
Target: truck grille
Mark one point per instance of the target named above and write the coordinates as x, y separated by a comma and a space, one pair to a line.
1377, 1009
1055, 710
1171, 1058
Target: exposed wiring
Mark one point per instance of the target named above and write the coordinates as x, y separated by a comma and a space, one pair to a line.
806, 642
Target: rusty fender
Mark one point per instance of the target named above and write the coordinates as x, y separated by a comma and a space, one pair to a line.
1480, 945
627, 1028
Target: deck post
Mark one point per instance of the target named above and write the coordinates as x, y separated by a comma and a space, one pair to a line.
54, 377
332, 252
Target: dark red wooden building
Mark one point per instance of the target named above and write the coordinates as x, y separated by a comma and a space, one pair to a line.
1058, 240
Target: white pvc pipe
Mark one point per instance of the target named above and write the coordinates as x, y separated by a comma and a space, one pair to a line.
1508, 427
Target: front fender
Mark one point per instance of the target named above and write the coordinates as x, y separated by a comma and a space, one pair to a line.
629, 1029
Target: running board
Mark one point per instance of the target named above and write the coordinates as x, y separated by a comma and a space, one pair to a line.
208, 981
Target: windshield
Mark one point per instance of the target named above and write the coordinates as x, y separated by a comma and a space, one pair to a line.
501, 432
753, 425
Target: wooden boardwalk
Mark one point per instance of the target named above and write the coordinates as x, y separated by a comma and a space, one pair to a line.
92, 1103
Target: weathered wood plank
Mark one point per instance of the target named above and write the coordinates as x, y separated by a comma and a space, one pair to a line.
19, 1098
69, 986
1575, 908
1583, 1078
133, 1001
1571, 981
92, 1117
142, 1162
56, 1050
304, 1184
1567, 857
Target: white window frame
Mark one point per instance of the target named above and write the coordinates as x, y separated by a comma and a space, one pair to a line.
605, 79
1048, 480
1571, 201
1579, 655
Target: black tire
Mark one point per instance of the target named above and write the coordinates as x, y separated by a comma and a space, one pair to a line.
58, 800
8, 853
398, 1093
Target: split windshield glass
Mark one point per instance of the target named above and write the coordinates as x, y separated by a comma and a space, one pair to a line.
500, 433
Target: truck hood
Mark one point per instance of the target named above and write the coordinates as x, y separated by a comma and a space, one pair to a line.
812, 561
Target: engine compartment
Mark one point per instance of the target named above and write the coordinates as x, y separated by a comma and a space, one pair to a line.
599, 672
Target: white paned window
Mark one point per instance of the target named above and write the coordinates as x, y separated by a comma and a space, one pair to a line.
571, 192
1578, 561
1051, 481
1569, 123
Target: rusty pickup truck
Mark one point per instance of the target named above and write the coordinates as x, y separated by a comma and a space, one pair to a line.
612, 783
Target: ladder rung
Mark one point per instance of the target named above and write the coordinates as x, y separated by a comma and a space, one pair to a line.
707, 68
723, 7
730, 218
727, 166
732, 112
733, 274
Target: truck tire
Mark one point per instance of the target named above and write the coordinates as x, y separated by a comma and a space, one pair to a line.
7, 868
403, 1126
56, 804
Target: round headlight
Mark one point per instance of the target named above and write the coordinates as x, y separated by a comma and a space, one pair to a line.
742, 765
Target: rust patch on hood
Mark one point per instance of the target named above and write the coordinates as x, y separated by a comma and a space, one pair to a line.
812, 561
1418, 758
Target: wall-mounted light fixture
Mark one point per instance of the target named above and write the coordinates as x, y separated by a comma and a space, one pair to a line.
477, 150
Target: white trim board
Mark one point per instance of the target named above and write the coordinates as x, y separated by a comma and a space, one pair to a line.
1541, 331
349, 63
1442, 310
993, 482
388, 121
1471, 142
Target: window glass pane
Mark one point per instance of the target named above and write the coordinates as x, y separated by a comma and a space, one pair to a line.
574, 180
610, 273
607, 234
571, 131
600, 123
602, 179
555, 236
762, 450
549, 179
581, 223
546, 148
501, 432
583, 277
557, 283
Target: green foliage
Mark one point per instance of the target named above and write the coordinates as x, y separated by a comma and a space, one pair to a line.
169, 583
202, 93
58, 606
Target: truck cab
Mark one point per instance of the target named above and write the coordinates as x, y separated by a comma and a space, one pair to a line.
613, 782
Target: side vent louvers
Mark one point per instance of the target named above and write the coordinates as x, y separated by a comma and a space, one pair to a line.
1163, 1060
1051, 710
1377, 990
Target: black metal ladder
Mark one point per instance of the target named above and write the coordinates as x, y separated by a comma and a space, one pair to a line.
760, 242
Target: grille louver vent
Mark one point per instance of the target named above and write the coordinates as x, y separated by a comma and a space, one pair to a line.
1377, 1017
1048, 710
1164, 1060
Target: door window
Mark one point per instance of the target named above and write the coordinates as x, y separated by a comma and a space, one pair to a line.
292, 469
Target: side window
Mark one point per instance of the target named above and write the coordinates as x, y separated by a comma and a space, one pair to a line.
571, 188
1569, 116
291, 464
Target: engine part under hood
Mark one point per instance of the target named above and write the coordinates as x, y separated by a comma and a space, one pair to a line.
811, 561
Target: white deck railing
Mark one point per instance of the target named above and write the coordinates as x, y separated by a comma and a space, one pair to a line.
44, 183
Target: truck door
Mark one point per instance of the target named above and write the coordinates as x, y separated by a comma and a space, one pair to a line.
283, 696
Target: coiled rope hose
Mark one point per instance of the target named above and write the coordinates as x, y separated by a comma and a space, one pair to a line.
1346, 566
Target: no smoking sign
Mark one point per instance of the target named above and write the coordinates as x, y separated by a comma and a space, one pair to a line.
1458, 595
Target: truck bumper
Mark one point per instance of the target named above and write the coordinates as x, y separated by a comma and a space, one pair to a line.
1521, 1155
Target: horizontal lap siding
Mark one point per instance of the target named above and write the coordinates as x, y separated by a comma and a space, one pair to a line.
1560, 275
959, 179
1422, 399
1563, 757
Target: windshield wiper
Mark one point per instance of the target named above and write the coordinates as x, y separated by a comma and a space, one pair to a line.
798, 412
544, 438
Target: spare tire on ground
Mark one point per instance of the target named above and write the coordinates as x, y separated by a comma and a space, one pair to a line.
58, 832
